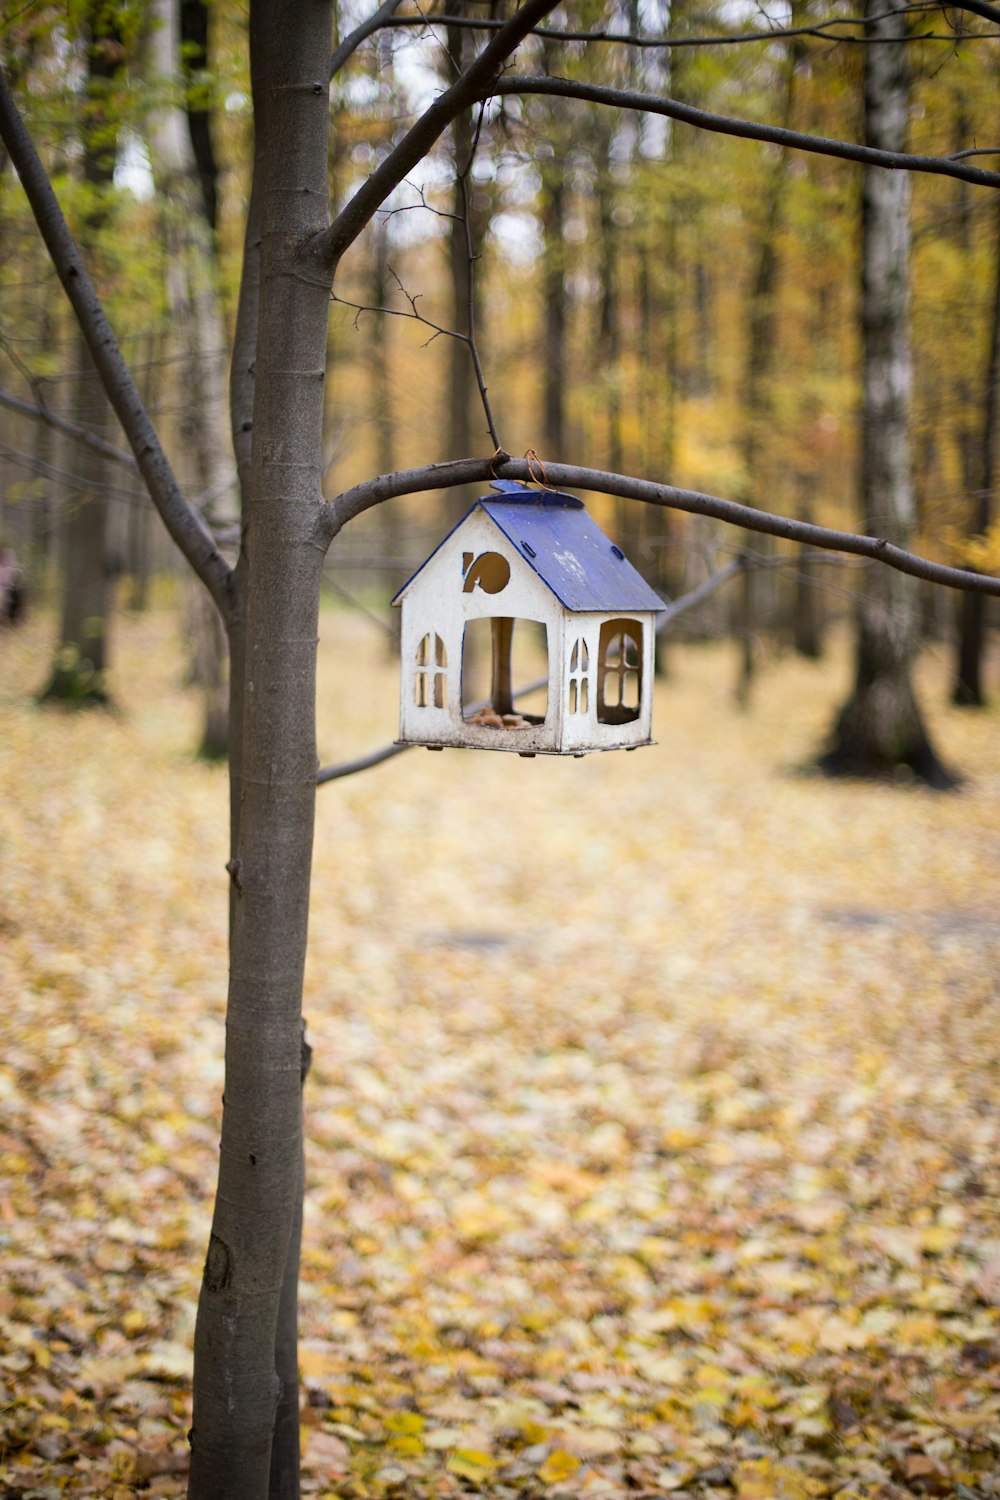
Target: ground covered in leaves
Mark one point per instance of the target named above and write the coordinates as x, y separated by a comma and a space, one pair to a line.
652, 1123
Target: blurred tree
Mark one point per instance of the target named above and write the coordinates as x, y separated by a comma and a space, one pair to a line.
78, 674
187, 203
968, 690
469, 218
881, 727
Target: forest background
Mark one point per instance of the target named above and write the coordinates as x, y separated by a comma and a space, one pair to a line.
719, 1361
648, 298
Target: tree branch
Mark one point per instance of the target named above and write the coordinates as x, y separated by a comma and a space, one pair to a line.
475, 84
980, 8
71, 429
360, 34
183, 523
362, 497
566, 88
822, 29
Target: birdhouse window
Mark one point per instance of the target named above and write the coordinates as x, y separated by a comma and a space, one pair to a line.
500, 658
430, 682
619, 676
579, 670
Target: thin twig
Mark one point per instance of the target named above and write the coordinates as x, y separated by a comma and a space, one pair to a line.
414, 315
409, 208
79, 434
974, 151
357, 604
107, 450
822, 29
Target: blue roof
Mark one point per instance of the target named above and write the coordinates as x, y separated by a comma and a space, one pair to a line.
569, 552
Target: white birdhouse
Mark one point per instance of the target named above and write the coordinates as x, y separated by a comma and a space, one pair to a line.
527, 593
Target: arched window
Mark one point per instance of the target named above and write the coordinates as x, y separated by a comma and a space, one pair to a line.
619, 674
430, 682
579, 677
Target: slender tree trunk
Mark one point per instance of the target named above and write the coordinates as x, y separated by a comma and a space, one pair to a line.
554, 362
807, 624
466, 426
745, 624
758, 395
187, 195
81, 659
382, 406
609, 328
78, 671
880, 728
968, 690
249, 1272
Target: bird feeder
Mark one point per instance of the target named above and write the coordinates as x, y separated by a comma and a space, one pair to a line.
527, 592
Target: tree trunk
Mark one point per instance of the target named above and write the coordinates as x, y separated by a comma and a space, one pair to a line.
79, 670
554, 363
465, 427
807, 618
758, 397
880, 729
249, 1271
382, 406
968, 691
186, 194
609, 327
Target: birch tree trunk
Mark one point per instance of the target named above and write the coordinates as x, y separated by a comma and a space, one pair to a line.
880, 729
250, 1274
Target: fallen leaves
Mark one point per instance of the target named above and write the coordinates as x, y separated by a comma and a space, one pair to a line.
652, 1122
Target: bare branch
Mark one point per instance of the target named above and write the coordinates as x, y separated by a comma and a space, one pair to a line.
414, 315
65, 477
824, 30
566, 88
475, 84
71, 429
362, 497
186, 527
980, 8
363, 763
361, 33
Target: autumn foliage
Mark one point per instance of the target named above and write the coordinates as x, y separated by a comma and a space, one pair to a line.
652, 1123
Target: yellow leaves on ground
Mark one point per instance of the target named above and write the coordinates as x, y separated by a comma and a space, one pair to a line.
763, 1479
653, 1119
558, 1467
469, 1463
